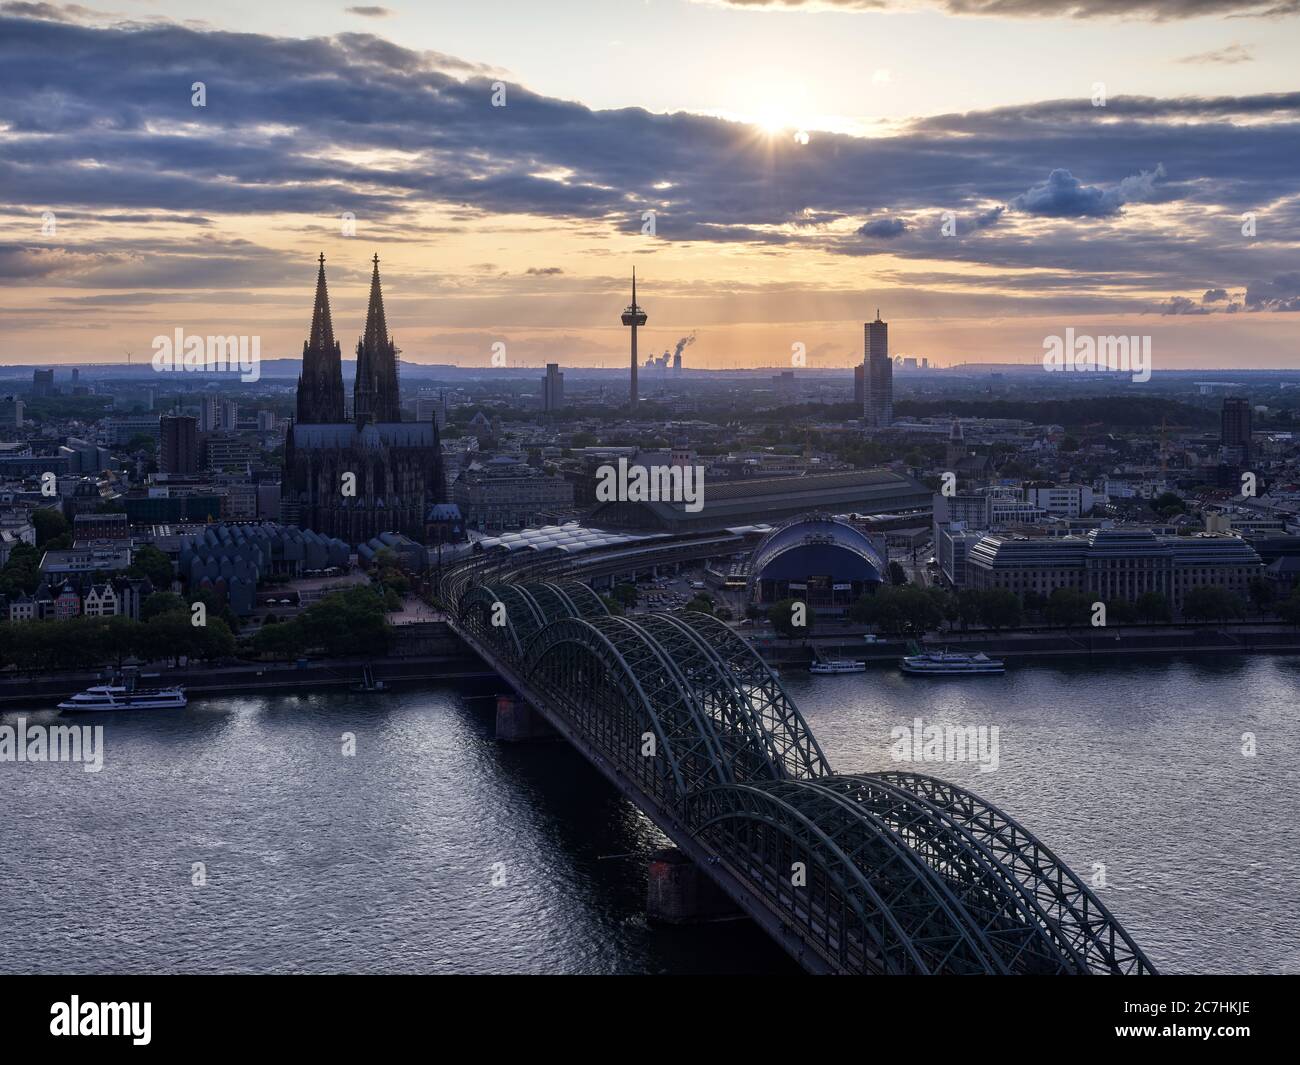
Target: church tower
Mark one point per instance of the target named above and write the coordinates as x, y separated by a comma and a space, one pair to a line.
375, 397
320, 385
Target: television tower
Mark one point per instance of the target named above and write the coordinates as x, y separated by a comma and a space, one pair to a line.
633, 316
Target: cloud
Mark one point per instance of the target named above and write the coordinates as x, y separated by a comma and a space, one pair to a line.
884, 228
369, 12
312, 128
1214, 295
544, 271
1063, 195
1280, 294
1151, 10
1233, 53
1182, 305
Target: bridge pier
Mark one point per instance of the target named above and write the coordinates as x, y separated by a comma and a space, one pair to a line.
680, 892
517, 722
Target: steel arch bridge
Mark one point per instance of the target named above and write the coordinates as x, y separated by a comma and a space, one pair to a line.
865, 873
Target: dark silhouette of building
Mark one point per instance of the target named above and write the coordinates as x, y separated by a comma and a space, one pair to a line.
860, 386
635, 317
878, 373
376, 394
320, 385
180, 444
552, 388
375, 474
1235, 424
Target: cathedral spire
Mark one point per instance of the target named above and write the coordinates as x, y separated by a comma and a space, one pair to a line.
322, 329
375, 396
320, 385
376, 326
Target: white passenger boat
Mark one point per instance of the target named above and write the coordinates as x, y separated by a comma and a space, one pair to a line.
103, 697
837, 665
951, 664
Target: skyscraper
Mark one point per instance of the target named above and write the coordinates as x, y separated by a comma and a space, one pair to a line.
1235, 424
552, 388
633, 316
878, 376
180, 444
320, 385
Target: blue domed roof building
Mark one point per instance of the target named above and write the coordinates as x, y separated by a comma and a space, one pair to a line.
822, 560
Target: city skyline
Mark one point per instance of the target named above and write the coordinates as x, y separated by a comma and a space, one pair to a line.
780, 218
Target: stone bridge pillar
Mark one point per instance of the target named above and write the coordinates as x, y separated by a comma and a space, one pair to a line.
680, 892
517, 722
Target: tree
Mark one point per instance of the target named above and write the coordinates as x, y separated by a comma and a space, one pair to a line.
49, 524
970, 607
1153, 608
22, 573
625, 593
908, 611
1000, 608
785, 612
1068, 607
1211, 603
1262, 594
613, 605
1289, 609
1120, 612
897, 575
162, 603
151, 563
701, 603
1168, 503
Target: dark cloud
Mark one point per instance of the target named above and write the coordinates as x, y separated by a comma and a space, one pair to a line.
1214, 295
884, 228
1182, 305
99, 123
1063, 195
368, 12
1280, 294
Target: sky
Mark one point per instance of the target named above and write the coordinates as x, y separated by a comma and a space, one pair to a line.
985, 173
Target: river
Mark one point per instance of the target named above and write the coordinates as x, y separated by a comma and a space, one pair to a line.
237, 836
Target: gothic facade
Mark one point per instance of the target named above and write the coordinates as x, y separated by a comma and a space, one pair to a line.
356, 479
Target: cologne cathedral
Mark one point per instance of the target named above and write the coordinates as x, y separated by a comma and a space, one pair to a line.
354, 479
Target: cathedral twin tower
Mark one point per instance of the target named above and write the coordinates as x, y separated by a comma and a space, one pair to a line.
374, 474
375, 395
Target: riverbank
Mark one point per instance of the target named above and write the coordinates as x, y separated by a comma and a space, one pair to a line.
1262, 638
258, 677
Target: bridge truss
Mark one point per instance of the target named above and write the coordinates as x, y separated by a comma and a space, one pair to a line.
867, 873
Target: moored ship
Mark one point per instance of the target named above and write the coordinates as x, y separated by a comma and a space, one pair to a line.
102, 697
837, 665
951, 664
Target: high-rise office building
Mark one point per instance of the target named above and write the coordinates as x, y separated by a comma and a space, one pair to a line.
878, 376
553, 388
1235, 424
42, 382
209, 414
860, 386
180, 444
